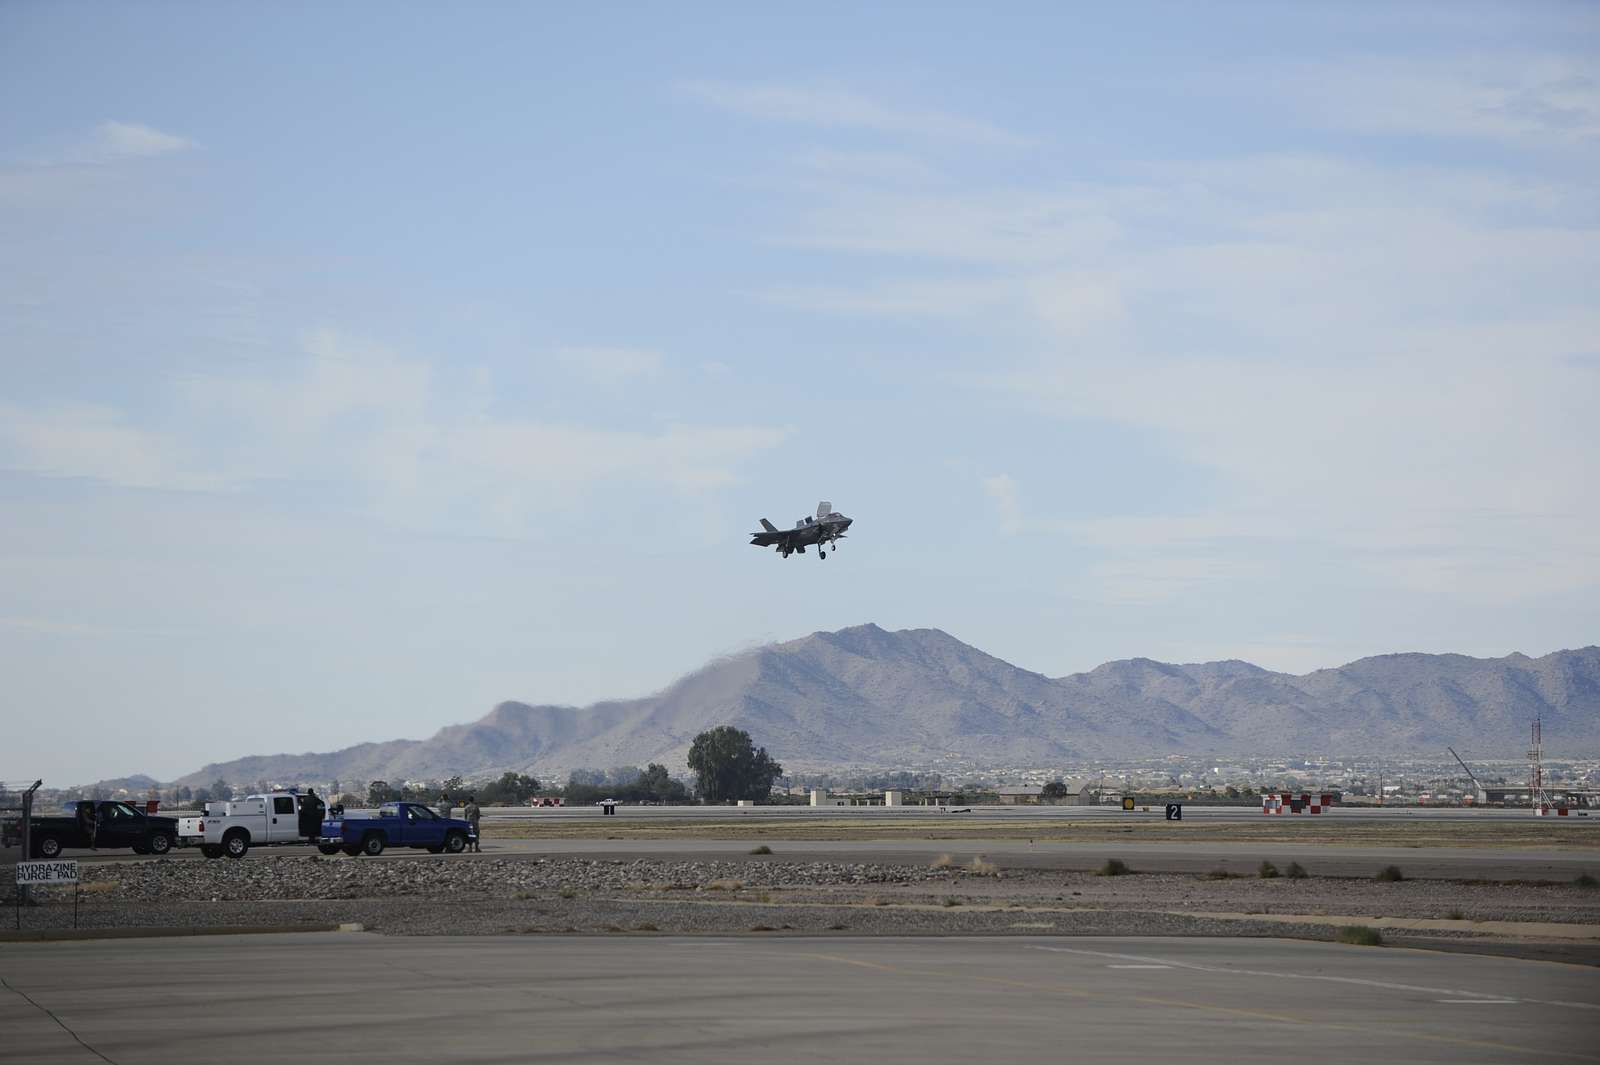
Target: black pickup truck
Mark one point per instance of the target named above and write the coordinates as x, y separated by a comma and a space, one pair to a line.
102, 825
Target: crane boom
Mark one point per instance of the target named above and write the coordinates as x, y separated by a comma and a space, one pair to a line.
1470, 775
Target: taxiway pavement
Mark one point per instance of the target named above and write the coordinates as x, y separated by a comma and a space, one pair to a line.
353, 998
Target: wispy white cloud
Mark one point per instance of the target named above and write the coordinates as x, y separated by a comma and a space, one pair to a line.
612, 366
115, 140
96, 443
1525, 99
936, 299
832, 107
389, 429
52, 627
1002, 491
1379, 364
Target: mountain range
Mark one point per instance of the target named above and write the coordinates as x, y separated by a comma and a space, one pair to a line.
864, 696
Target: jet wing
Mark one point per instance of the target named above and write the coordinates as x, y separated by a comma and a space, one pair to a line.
768, 536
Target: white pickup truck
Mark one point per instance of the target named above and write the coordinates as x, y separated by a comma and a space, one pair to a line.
234, 826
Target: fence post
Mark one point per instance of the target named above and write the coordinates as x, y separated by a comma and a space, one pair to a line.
27, 841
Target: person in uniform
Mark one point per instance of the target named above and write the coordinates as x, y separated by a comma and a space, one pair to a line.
473, 814
311, 809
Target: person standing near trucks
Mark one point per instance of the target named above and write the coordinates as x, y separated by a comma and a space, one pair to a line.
89, 822
473, 814
311, 809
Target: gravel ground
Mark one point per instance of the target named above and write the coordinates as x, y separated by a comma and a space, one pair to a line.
497, 896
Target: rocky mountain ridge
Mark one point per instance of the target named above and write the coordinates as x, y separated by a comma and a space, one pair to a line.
864, 696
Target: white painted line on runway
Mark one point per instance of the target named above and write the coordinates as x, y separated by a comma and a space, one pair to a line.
1138, 966
1476, 1001
1231, 971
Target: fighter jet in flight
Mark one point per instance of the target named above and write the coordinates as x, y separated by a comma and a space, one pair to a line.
827, 527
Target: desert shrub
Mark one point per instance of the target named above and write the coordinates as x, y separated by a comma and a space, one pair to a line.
568, 893
1219, 873
944, 861
1296, 871
645, 927
763, 849
1586, 881
725, 885
1456, 915
1113, 867
1268, 871
981, 866
1390, 874
951, 900
1359, 935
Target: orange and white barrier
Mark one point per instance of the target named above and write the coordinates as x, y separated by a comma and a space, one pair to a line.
1282, 802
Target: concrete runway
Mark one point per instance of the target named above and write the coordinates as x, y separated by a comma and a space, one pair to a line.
351, 999
1028, 814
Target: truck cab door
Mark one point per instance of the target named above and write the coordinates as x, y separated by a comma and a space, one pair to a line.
119, 826
422, 827
283, 820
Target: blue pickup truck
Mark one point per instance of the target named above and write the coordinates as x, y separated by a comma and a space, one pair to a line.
398, 824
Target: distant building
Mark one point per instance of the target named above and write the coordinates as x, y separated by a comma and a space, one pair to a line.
1023, 796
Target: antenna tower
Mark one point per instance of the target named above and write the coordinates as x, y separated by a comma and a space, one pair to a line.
1536, 792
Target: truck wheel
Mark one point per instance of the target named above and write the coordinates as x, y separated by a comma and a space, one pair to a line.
372, 845
160, 843
211, 850
352, 849
236, 843
48, 848
139, 848
328, 848
455, 842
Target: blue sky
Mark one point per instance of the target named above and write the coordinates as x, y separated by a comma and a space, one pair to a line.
364, 366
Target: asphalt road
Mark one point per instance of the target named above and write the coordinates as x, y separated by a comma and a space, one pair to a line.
352, 999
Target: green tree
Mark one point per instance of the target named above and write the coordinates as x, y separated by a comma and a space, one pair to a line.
1053, 791
657, 785
510, 788
727, 765
221, 789
380, 792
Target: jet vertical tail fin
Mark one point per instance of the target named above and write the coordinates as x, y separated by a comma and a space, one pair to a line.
767, 525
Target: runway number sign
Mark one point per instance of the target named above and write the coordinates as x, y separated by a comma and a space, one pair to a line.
30, 874
1127, 804
1174, 811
